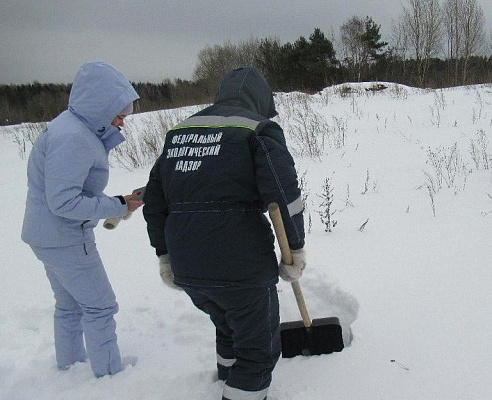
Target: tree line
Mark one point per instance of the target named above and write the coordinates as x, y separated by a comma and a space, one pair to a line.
433, 44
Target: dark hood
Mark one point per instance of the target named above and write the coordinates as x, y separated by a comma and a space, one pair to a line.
246, 87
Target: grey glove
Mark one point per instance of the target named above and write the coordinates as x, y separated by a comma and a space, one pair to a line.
166, 272
291, 273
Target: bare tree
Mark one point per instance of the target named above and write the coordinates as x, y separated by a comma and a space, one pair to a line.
400, 44
214, 61
473, 32
452, 9
399, 38
465, 28
354, 50
362, 45
422, 25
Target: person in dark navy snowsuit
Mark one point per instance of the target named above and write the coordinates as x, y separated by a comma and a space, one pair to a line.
204, 206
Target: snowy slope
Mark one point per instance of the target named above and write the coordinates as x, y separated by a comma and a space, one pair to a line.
413, 285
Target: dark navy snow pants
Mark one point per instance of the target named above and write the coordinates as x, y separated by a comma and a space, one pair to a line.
247, 336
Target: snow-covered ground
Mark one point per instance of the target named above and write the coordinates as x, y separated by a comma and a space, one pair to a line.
413, 285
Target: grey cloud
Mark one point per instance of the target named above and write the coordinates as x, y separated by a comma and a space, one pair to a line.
150, 40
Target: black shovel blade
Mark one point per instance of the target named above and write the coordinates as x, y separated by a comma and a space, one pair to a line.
324, 336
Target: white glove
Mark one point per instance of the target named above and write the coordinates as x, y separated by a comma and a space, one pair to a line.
291, 273
166, 272
127, 216
112, 223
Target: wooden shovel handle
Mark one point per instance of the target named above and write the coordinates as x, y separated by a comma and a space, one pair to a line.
278, 226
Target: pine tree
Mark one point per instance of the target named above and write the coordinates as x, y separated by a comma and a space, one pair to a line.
372, 40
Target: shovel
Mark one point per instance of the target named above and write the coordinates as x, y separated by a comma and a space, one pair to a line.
306, 337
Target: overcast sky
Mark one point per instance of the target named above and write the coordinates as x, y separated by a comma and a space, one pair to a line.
151, 40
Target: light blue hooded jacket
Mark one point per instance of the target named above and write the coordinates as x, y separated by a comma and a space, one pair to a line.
68, 166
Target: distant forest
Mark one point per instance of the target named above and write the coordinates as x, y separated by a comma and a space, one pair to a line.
433, 45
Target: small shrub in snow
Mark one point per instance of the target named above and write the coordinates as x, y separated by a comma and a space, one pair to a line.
367, 183
304, 196
348, 202
479, 150
145, 141
25, 135
449, 169
398, 91
431, 196
485, 213
362, 227
308, 130
326, 212
338, 132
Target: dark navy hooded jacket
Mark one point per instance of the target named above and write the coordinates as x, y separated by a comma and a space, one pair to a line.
208, 191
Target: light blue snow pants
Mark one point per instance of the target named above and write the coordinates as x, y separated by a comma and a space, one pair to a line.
84, 306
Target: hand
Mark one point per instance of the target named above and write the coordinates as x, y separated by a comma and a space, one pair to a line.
132, 202
166, 272
291, 273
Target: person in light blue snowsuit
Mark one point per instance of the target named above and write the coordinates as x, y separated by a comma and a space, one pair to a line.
67, 172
